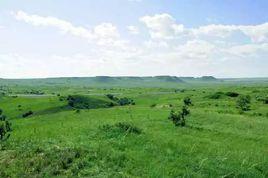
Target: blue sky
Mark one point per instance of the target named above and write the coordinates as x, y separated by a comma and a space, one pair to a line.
49, 38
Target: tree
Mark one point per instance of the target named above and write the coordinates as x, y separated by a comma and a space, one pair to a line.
243, 102
179, 117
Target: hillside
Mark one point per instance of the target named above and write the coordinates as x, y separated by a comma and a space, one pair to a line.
129, 81
77, 134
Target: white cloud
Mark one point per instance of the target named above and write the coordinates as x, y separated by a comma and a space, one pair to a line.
171, 49
221, 31
249, 50
62, 25
133, 30
106, 30
196, 49
162, 26
257, 33
103, 34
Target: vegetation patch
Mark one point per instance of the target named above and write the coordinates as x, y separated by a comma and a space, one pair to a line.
262, 99
243, 103
5, 128
27, 114
179, 117
83, 102
121, 128
121, 101
232, 94
44, 163
216, 95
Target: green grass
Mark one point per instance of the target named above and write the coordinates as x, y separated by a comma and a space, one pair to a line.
137, 140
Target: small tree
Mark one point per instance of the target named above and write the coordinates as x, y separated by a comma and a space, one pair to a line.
5, 127
243, 103
178, 118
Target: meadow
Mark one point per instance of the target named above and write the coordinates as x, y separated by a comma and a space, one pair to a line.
135, 139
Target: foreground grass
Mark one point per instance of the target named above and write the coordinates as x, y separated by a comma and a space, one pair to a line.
218, 141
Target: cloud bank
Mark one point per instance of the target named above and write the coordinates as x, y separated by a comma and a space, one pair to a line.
163, 47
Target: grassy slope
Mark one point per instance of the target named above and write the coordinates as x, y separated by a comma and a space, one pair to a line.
217, 141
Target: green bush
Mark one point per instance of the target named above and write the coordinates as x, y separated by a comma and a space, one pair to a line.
243, 103
121, 128
232, 94
178, 118
27, 114
121, 101
5, 127
153, 105
83, 102
125, 101
187, 101
216, 95
112, 97
265, 100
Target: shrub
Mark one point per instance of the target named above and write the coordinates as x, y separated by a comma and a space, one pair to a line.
178, 118
121, 101
119, 129
262, 99
62, 98
265, 100
187, 101
243, 103
112, 97
5, 127
125, 101
216, 95
232, 94
27, 114
128, 128
153, 105
83, 102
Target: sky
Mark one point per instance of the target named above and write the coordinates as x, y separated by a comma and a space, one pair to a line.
63, 38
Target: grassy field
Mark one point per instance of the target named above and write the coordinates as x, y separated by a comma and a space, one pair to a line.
135, 140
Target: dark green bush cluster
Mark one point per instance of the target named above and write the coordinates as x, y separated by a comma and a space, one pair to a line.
153, 105
243, 103
178, 117
125, 101
35, 92
232, 94
121, 101
187, 101
216, 95
27, 114
62, 98
83, 102
262, 99
5, 127
265, 100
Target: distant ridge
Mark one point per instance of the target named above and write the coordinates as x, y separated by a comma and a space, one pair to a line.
208, 78
128, 81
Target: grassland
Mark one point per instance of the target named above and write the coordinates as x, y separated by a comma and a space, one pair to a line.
135, 140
